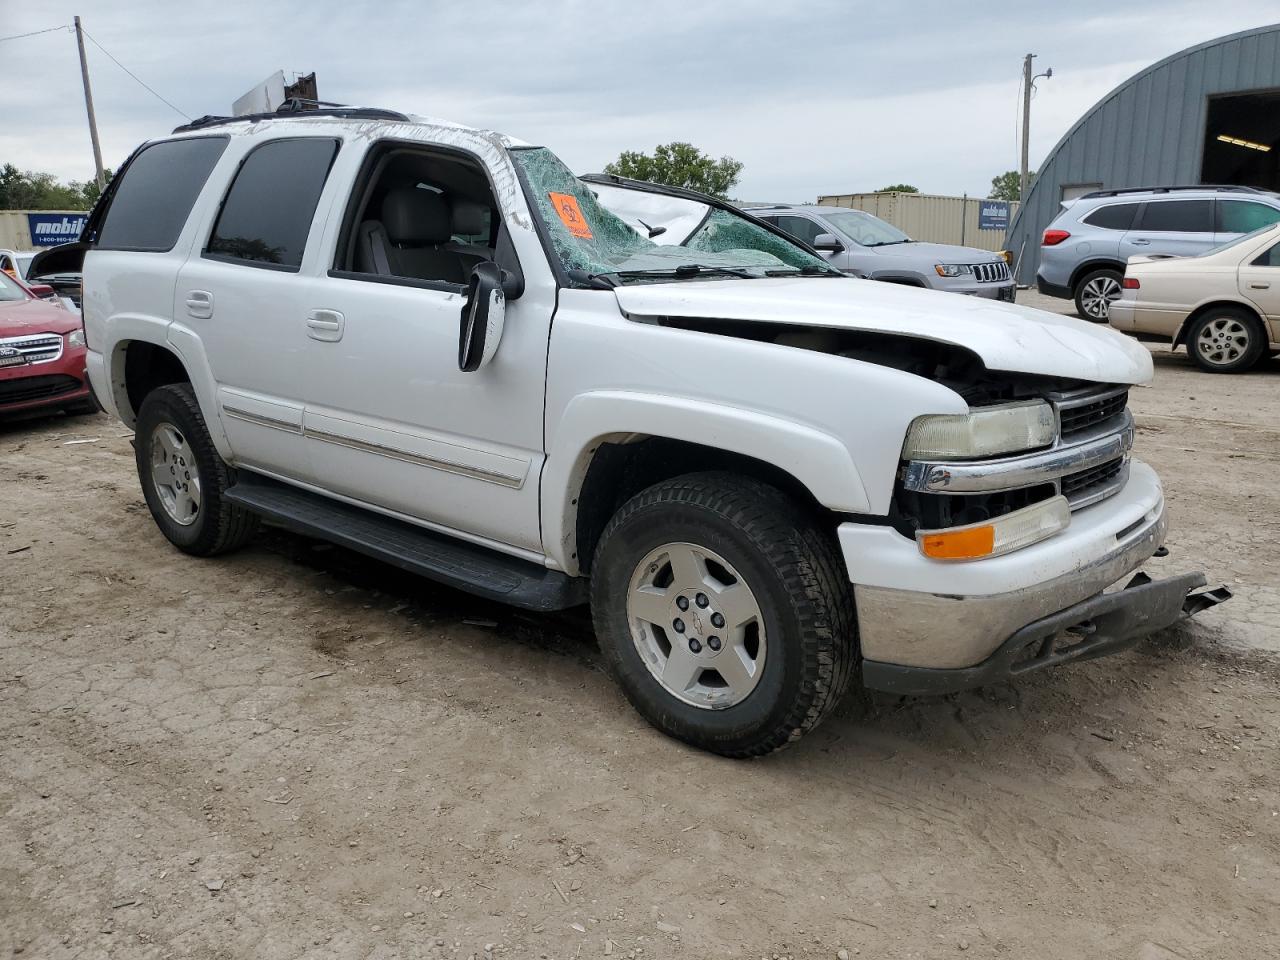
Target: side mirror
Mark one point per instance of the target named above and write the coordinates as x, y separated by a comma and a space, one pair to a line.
483, 313
827, 243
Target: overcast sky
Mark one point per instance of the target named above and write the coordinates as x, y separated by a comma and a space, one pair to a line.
819, 97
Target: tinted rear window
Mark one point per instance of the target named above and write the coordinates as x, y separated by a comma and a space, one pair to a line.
1244, 216
156, 193
1117, 216
1178, 216
267, 213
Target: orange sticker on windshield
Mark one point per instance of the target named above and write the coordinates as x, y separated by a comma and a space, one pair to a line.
566, 205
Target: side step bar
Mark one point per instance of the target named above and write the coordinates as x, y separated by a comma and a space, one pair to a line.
444, 559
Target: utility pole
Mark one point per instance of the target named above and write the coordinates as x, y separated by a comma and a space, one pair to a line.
1028, 84
93, 122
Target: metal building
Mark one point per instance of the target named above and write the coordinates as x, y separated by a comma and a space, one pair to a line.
1209, 114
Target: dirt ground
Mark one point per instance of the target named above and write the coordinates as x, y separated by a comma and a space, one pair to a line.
294, 752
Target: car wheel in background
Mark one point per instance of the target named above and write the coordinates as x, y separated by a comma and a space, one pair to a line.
1095, 292
183, 478
724, 613
1226, 340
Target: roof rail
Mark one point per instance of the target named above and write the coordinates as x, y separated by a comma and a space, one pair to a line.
297, 109
1227, 187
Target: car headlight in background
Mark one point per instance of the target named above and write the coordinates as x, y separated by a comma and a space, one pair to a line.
953, 269
76, 338
985, 432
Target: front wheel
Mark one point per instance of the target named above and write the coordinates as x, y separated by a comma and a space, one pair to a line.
1095, 293
724, 613
183, 478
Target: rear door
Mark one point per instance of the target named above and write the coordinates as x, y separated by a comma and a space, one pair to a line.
1180, 228
243, 295
1260, 282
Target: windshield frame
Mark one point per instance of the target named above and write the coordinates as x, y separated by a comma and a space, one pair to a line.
561, 272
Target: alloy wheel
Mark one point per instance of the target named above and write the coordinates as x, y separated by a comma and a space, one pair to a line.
1223, 341
174, 474
1097, 296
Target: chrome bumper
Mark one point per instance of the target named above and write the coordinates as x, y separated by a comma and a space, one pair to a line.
944, 631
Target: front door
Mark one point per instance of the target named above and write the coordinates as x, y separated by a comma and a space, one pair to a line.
1260, 282
1180, 228
389, 418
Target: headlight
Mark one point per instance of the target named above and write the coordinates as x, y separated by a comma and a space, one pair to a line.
953, 269
76, 338
986, 432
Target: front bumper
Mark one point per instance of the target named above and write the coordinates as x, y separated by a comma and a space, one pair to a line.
35, 386
916, 614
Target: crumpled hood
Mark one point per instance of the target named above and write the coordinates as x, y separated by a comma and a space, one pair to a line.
22, 317
1006, 337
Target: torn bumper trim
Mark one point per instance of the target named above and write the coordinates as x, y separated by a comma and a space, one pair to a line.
1104, 624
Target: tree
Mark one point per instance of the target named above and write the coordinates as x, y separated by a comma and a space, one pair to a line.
899, 188
1007, 185
679, 165
32, 190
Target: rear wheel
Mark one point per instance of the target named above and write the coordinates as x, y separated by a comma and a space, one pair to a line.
724, 613
183, 478
1095, 293
1226, 340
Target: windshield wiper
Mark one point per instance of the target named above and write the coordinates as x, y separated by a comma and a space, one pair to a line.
595, 281
686, 270
888, 243
808, 270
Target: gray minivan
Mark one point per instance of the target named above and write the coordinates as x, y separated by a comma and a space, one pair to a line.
1084, 251
857, 243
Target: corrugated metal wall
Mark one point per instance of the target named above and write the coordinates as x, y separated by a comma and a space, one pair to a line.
1149, 131
926, 216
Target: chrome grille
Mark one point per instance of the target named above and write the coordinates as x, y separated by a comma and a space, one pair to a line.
1081, 411
37, 348
994, 272
1097, 483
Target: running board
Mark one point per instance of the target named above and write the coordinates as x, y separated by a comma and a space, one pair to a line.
465, 566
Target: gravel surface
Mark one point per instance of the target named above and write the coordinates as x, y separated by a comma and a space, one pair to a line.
294, 752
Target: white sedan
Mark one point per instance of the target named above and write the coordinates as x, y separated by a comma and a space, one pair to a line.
1223, 305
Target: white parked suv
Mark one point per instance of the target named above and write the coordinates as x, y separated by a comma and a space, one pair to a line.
435, 345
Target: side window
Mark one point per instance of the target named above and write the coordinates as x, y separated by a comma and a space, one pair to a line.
156, 192
1177, 216
1268, 258
1243, 216
267, 213
420, 218
1116, 216
800, 227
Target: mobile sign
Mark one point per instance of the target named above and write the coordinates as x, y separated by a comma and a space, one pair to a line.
51, 229
993, 215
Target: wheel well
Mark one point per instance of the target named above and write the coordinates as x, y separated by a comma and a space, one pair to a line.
1086, 268
1180, 338
619, 471
903, 281
146, 367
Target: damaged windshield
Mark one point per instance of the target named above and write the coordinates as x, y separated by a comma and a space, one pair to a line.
592, 241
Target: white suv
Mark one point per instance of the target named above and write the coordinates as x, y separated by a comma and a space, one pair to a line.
435, 345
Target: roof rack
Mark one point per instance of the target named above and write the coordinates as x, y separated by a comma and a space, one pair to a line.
297, 109
1228, 187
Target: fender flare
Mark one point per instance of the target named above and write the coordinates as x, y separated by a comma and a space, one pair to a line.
815, 458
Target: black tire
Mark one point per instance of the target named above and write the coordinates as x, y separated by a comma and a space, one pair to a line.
798, 579
218, 525
1093, 294
1232, 335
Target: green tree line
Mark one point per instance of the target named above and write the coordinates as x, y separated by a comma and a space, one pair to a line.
33, 190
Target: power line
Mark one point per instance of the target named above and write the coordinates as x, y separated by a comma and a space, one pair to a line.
35, 33
134, 75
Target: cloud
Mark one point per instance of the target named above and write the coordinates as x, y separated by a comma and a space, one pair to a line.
826, 97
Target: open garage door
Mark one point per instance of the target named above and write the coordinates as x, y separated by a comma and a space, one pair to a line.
1242, 140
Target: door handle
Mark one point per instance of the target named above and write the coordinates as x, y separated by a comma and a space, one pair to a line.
199, 304
1259, 286
326, 325
1141, 243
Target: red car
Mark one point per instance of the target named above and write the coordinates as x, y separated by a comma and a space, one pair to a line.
41, 354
